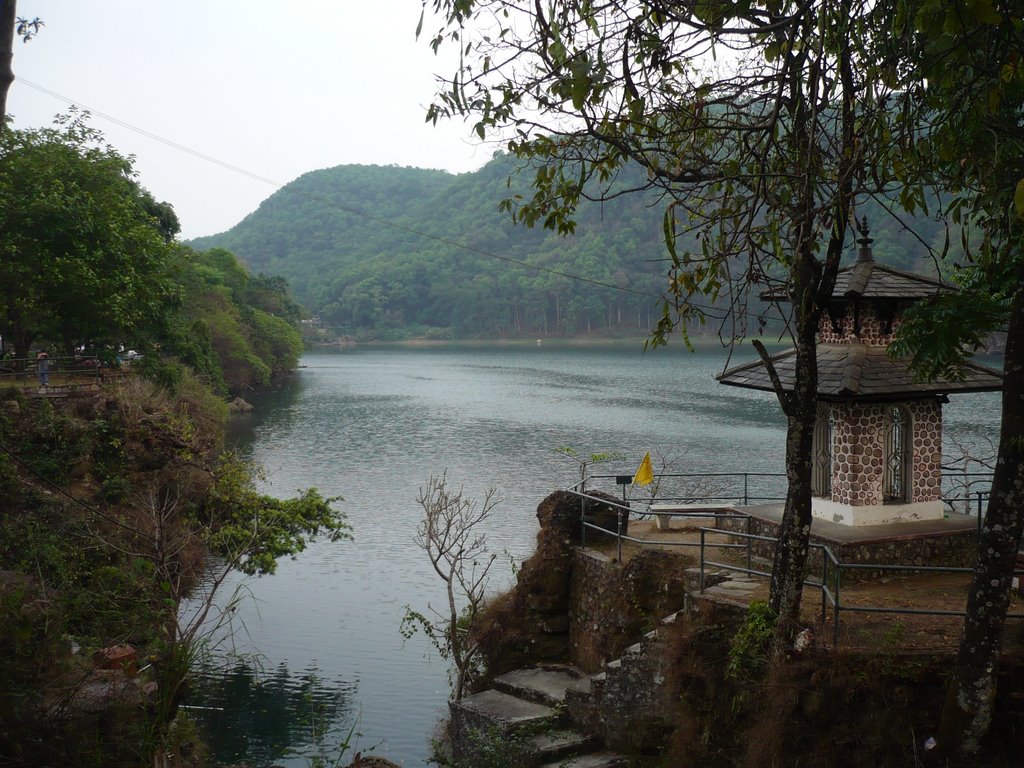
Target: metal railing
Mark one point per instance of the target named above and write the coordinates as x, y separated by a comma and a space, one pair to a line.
622, 511
966, 492
744, 488
66, 371
829, 583
831, 589
962, 492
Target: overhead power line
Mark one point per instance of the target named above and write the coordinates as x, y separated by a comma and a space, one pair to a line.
715, 313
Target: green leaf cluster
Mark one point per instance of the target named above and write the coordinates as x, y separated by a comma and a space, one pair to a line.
748, 651
964, 92
251, 530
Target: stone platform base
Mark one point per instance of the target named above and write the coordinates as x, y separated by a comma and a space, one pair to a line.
950, 541
876, 514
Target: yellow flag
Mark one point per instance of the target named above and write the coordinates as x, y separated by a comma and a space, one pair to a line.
644, 475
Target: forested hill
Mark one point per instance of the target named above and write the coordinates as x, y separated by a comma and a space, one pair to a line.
374, 251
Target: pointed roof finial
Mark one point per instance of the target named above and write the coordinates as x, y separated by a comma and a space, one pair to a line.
864, 254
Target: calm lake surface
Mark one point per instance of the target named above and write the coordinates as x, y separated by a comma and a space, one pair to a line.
323, 652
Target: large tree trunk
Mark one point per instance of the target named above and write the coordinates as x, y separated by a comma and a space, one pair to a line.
790, 563
811, 288
967, 714
8, 14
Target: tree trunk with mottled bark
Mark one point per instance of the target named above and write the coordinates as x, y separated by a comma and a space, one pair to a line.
967, 714
8, 14
790, 563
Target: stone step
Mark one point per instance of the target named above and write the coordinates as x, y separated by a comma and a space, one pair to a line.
711, 577
738, 590
631, 656
556, 746
671, 618
494, 710
731, 596
712, 599
543, 685
596, 760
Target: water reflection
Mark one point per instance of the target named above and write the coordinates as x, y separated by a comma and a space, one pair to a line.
260, 717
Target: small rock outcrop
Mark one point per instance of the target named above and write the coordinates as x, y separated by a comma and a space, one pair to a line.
238, 405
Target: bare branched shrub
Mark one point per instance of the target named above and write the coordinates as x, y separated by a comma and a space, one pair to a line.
450, 535
968, 471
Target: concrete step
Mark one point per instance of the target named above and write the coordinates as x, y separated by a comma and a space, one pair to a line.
738, 590
508, 714
543, 685
596, 760
634, 650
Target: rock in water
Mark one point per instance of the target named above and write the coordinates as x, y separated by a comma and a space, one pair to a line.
238, 405
372, 761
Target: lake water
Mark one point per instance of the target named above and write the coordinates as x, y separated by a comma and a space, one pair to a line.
372, 425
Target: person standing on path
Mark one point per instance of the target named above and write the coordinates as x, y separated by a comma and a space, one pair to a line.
43, 367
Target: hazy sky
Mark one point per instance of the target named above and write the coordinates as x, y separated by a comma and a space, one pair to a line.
274, 88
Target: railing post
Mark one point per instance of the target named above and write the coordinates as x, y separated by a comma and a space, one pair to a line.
824, 585
835, 615
702, 559
746, 495
979, 515
618, 536
583, 522
750, 543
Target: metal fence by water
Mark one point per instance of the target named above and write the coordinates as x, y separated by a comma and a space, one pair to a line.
705, 493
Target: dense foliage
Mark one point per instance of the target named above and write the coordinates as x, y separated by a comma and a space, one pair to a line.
89, 265
379, 251
109, 504
236, 329
83, 247
965, 83
112, 498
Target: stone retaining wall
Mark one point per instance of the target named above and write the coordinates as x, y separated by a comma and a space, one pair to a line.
611, 604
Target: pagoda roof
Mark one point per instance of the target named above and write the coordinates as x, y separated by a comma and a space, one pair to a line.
862, 372
873, 281
868, 279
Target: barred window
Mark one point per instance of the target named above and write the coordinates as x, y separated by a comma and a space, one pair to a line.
897, 454
821, 469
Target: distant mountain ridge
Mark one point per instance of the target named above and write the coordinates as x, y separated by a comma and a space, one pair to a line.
374, 251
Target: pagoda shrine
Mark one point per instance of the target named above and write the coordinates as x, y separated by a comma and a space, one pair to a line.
877, 456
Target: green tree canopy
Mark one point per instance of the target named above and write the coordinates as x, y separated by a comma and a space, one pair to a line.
235, 329
83, 249
962, 66
371, 278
